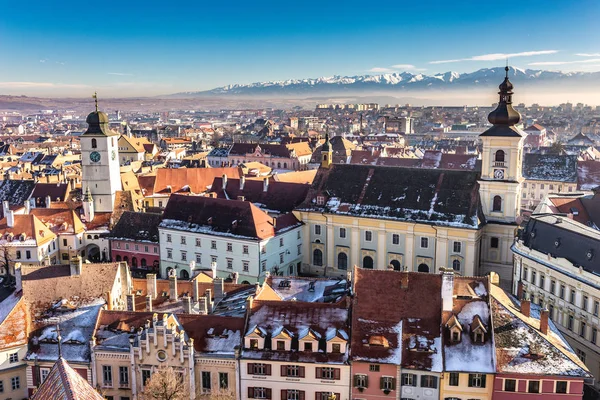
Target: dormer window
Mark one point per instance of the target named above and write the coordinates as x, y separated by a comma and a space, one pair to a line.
335, 348
280, 345
455, 329
378, 340
308, 346
455, 336
254, 344
478, 330
478, 337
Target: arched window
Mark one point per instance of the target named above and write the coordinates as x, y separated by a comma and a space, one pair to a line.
318, 257
499, 156
126, 259
134, 262
94, 143
118, 258
184, 274
497, 206
423, 268
278, 165
342, 261
396, 265
285, 165
143, 262
456, 265
368, 262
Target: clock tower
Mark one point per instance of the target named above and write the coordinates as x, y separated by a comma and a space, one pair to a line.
500, 184
100, 162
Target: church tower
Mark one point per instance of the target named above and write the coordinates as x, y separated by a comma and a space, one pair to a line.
326, 153
500, 184
101, 176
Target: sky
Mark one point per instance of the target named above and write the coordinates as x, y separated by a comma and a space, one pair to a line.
141, 48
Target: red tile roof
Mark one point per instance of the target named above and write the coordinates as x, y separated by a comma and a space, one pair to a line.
64, 383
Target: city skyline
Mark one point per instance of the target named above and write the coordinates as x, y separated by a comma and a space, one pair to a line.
135, 49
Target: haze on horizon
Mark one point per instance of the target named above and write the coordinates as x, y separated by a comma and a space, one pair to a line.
128, 49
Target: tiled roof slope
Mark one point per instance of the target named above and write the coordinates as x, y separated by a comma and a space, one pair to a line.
432, 196
194, 180
279, 196
522, 348
550, 167
64, 383
137, 226
411, 327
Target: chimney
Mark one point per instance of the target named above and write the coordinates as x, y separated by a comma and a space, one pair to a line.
172, 286
274, 223
219, 285
249, 303
213, 267
241, 198
27, 207
447, 289
76, 264
5, 207
109, 301
195, 289
266, 184
18, 278
242, 182
10, 218
544, 315
525, 307
235, 276
130, 302
187, 304
203, 305
148, 303
224, 181
151, 289
48, 201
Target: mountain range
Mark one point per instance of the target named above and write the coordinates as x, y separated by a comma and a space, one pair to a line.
406, 82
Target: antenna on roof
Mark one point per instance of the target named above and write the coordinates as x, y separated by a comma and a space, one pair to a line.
59, 338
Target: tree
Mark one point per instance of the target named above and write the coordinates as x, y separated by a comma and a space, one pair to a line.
557, 148
166, 384
6, 260
219, 394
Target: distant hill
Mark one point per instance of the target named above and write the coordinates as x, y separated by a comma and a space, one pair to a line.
405, 82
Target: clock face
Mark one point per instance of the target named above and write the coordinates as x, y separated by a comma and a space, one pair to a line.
113, 154
95, 156
499, 173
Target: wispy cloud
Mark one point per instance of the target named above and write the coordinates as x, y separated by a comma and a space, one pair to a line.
408, 67
25, 85
119, 74
60, 63
591, 60
43, 60
381, 69
497, 56
588, 54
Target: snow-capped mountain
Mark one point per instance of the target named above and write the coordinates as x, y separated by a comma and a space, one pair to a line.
401, 81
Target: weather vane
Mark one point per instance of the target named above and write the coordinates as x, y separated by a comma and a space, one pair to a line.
95, 96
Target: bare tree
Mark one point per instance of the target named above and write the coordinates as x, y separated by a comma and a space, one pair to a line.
219, 394
166, 384
6, 260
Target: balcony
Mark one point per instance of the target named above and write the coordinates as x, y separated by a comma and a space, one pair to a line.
500, 164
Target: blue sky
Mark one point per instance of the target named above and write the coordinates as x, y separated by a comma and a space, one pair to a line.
131, 48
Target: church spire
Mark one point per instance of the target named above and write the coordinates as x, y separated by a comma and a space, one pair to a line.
505, 114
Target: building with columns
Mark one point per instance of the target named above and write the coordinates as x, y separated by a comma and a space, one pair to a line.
419, 219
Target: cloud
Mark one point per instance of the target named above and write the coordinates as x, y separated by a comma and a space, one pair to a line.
381, 69
43, 60
119, 74
408, 67
565, 62
28, 85
60, 63
588, 54
497, 56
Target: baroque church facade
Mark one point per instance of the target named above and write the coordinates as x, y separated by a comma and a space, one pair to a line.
379, 217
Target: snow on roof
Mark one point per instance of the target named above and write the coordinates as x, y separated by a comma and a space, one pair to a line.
465, 356
308, 290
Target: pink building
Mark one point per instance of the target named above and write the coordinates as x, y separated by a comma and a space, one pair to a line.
533, 359
135, 240
536, 136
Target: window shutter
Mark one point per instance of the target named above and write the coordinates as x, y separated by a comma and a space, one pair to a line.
284, 370
355, 380
318, 395
302, 395
482, 380
435, 382
250, 392
318, 373
336, 374
269, 393
381, 383
36, 373
268, 369
283, 394
394, 383
338, 396
423, 381
366, 380
250, 368
470, 380
301, 372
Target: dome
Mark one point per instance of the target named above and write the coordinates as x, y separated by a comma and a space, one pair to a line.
97, 118
506, 85
504, 114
